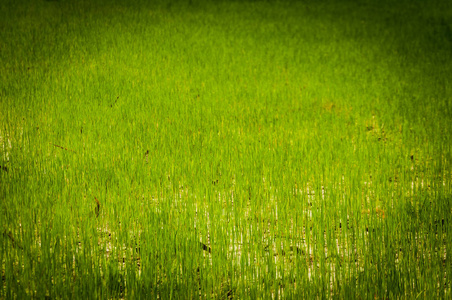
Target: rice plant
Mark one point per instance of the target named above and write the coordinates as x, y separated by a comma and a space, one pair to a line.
225, 149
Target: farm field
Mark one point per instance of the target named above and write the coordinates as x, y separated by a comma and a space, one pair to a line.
225, 149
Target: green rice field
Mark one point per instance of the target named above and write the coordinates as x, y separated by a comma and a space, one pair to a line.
225, 149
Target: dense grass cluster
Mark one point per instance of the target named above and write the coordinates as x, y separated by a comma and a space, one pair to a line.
225, 149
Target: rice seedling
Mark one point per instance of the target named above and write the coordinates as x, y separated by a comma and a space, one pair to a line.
226, 150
